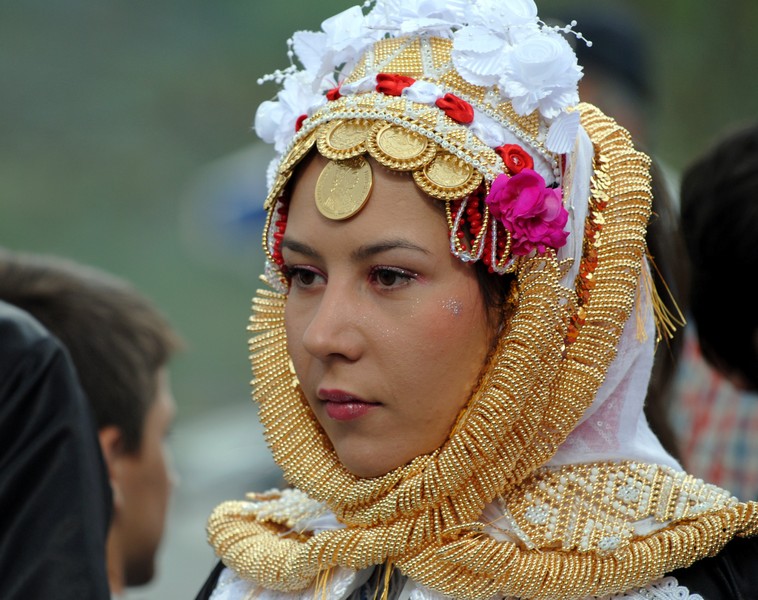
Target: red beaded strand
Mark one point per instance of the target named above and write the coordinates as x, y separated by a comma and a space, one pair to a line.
280, 225
470, 227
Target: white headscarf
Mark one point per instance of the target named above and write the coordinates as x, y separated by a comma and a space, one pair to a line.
614, 427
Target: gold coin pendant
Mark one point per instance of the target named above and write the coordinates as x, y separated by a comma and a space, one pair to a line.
343, 187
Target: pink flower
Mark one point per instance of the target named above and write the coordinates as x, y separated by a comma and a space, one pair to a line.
530, 211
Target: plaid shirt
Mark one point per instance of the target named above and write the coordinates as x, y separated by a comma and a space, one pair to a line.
716, 425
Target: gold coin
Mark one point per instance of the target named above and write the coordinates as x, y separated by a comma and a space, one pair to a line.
399, 143
346, 135
343, 187
446, 171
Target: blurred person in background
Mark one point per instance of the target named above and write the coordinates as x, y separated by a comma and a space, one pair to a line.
55, 501
719, 198
120, 345
716, 409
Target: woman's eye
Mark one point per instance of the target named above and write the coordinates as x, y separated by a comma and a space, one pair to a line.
303, 277
391, 277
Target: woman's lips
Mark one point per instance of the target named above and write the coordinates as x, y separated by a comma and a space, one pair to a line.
342, 406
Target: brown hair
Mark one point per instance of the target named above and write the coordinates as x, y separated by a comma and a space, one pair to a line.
117, 339
719, 198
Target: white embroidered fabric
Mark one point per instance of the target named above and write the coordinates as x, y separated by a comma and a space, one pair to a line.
667, 588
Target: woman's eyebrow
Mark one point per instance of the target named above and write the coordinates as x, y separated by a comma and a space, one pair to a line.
370, 250
360, 253
300, 248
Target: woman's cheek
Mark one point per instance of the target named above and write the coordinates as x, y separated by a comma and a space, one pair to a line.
446, 326
453, 307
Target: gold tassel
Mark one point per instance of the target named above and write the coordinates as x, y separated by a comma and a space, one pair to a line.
667, 321
321, 586
388, 568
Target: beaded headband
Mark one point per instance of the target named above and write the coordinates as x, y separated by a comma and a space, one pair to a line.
428, 104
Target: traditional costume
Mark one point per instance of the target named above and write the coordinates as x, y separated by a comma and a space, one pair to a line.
551, 484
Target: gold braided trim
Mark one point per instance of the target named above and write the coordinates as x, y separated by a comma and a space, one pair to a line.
478, 567
591, 504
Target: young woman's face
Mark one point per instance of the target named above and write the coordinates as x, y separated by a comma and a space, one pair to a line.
387, 330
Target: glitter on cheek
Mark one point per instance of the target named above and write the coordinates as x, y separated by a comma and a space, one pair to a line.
453, 306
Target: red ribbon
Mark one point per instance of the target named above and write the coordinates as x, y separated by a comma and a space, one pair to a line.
392, 84
334, 94
455, 108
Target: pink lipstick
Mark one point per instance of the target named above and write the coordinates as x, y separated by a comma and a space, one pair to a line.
342, 406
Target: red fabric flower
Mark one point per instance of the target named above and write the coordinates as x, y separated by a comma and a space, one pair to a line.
530, 211
455, 108
299, 122
392, 84
516, 159
334, 94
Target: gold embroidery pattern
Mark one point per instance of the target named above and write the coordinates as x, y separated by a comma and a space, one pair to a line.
605, 500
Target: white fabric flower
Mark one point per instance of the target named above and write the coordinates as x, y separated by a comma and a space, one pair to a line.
541, 72
341, 41
488, 130
403, 17
499, 16
275, 120
561, 136
478, 54
267, 118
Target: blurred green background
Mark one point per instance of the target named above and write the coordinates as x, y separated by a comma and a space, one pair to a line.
111, 111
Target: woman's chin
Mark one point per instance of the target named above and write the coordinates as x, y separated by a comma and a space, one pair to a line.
367, 470
368, 464
368, 460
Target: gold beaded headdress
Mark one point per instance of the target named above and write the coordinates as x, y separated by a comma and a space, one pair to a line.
565, 532
406, 104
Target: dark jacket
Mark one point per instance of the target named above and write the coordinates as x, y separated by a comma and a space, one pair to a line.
55, 500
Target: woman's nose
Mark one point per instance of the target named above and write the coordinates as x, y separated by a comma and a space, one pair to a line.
333, 328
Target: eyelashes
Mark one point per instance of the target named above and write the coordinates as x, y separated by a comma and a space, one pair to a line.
391, 277
302, 276
387, 278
